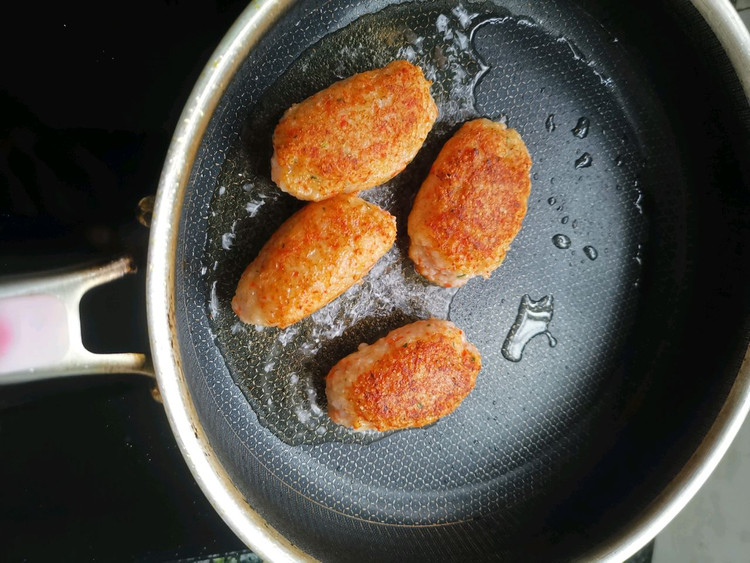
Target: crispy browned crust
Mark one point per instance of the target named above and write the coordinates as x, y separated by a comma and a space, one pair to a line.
423, 372
355, 134
471, 205
316, 255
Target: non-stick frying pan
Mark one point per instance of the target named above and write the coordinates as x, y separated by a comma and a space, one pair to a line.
612, 336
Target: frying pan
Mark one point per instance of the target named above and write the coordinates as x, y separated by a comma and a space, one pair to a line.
613, 337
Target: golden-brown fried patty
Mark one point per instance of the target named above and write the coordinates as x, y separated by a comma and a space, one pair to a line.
411, 377
471, 205
355, 134
316, 255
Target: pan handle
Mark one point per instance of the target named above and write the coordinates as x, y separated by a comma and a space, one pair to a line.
40, 326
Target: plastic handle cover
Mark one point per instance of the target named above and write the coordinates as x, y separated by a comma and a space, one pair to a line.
40, 326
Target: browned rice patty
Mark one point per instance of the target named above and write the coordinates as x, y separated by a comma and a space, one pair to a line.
411, 377
354, 135
316, 255
470, 207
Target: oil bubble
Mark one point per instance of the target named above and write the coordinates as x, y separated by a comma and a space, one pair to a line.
561, 241
584, 161
581, 130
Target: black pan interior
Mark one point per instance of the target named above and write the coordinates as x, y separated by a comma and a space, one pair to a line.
636, 230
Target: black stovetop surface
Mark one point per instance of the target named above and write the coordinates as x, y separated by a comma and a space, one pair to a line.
92, 91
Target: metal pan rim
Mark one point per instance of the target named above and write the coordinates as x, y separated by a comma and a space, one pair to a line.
207, 469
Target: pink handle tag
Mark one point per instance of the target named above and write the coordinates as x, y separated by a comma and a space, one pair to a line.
40, 326
33, 332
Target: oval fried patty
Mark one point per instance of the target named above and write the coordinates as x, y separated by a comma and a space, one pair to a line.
471, 205
316, 255
355, 134
411, 377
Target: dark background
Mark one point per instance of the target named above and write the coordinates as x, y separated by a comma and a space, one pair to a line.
91, 93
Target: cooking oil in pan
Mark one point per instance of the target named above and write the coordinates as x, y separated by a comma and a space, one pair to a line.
584, 161
561, 241
532, 320
590, 252
549, 123
581, 130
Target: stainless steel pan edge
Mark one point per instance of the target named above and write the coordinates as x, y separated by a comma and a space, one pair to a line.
250, 527
183, 418
734, 37
688, 481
